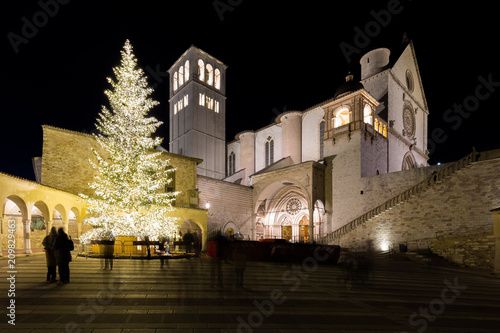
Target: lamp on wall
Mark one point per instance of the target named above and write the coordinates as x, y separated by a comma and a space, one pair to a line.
207, 207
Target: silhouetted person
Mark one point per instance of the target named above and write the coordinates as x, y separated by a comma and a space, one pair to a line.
109, 252
217, 277
240, 264
63, 247
163, 251
50, 255
188, 240
197, 244
148, 249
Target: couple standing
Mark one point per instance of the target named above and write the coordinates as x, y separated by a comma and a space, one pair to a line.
58, 247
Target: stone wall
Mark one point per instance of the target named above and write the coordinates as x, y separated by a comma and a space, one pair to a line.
464, 200
472, 250
65, 160
228, 203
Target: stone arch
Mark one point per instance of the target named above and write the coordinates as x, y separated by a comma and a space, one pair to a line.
15, 209
44, 210
21, 205
408, 161
230, 225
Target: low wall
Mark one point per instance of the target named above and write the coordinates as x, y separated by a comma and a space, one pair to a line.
471, 250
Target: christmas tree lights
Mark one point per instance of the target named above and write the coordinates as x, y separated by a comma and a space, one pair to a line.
130, 197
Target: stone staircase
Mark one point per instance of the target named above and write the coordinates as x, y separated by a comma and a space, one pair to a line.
435, 178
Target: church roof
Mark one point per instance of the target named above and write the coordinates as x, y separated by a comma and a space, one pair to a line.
348, 87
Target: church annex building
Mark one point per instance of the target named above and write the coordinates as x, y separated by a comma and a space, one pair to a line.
351, 170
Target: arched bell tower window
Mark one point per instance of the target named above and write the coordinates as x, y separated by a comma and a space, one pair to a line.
201, 70
181, 76
341, 117
186, 71
269, 151
217, 78
176, 83
210, 75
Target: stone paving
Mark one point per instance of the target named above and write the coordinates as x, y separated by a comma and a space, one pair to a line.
182, 297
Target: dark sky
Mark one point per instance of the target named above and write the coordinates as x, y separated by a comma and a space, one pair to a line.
282, 55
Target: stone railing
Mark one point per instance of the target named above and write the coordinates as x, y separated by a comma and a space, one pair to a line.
436, 178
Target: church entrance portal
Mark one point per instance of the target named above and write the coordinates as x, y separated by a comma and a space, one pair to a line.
286, 232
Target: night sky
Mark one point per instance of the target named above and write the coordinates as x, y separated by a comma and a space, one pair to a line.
282, 56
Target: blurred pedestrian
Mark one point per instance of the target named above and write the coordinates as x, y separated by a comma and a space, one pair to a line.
240, 264
109, 252
163, 251
50, 256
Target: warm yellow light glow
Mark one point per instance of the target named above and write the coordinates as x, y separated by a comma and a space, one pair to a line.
341, 117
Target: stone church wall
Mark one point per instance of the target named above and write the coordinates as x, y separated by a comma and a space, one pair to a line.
461, 202
65, 160
228, 203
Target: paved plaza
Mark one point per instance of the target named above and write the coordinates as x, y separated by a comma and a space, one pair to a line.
182, 297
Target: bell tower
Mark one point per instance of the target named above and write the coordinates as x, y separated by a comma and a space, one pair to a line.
198, 110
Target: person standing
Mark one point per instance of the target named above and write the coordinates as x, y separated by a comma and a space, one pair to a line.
109, 252
50, 256
63, 247
240, 264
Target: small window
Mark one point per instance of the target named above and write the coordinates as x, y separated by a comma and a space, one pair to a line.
181, 76
321, 139
269, 151
216, 107
202, 99
201, 70
186, 99
409, 80
232, 158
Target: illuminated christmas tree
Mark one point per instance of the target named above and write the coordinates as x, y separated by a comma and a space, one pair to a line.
130, 197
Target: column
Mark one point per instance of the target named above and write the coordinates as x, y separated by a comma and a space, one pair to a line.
49, 226
65, 226
496, 232
78, 229
311, 224
26, 232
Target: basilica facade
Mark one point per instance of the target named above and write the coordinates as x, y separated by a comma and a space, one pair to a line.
306, 171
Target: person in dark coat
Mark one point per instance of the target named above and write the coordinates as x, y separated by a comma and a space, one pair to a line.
109, 251
50, 256
63, 250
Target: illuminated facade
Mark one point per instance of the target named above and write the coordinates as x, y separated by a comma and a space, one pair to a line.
370, 127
